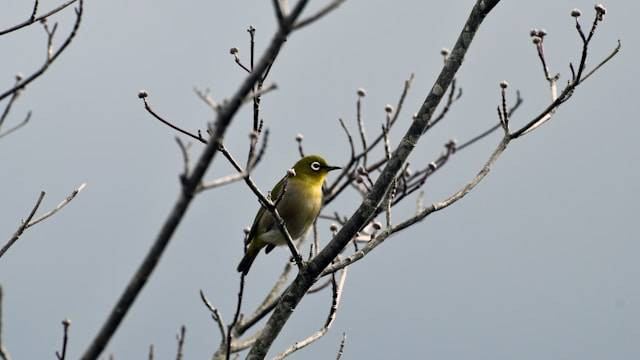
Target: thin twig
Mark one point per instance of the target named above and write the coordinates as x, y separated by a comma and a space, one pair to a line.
322, 12
143, 95
53, 56
338, 185
12, 100
206, 97
341, 348
35, 10
336, 295
493, 128
363, 136
180, 340
58, 207
235, 316
267, 304
4, 353
65, 338
23, 226
215, 315
279, 12
23, 123
184, 150
32, 19
385, 233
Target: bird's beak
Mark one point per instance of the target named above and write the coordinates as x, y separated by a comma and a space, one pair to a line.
329, 168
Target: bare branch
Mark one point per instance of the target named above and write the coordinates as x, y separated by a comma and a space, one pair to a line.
504, 122
143, 95
51, 56
363, 136
235, 316
267, 304
334, 4
337, 294
58, 207
341, 349
29, 222
279, 12
422, 213
184, 150
187, 192
445, 110
32, 19
21, 124
12, 99
347, 171
4, 353
215, 315
363, 214
180, 340
489, 131
254, 160
23, 225
206, 97
65, 338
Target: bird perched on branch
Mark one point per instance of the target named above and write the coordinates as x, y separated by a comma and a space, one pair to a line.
298, 206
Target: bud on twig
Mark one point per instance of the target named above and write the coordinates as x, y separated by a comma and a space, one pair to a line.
333, 227
451, 145
142, 94
233, 51
388, 109
576, 13
299, 137
600, 9
376, 225
361, 92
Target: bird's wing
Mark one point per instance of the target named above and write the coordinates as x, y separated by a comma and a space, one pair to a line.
267, 223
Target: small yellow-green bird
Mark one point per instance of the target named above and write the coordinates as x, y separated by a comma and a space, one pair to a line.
298, 207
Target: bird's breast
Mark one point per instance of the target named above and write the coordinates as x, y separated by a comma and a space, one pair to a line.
299, 207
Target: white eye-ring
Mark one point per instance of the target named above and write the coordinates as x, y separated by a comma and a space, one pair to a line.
315, 166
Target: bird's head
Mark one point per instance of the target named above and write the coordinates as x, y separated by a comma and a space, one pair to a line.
313, 167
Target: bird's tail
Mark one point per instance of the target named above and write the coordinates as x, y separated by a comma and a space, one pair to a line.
252, 251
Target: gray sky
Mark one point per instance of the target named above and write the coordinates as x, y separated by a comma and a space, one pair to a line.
539, 261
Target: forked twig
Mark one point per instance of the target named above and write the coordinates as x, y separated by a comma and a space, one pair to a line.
337, 294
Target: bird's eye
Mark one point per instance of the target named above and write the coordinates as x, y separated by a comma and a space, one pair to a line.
315, 166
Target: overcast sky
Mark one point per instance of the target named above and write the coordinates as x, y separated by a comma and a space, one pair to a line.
540, 261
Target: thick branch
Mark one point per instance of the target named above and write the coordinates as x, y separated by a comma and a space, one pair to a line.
224, 117
305, 279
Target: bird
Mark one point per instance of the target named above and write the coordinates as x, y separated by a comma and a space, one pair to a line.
298, 206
